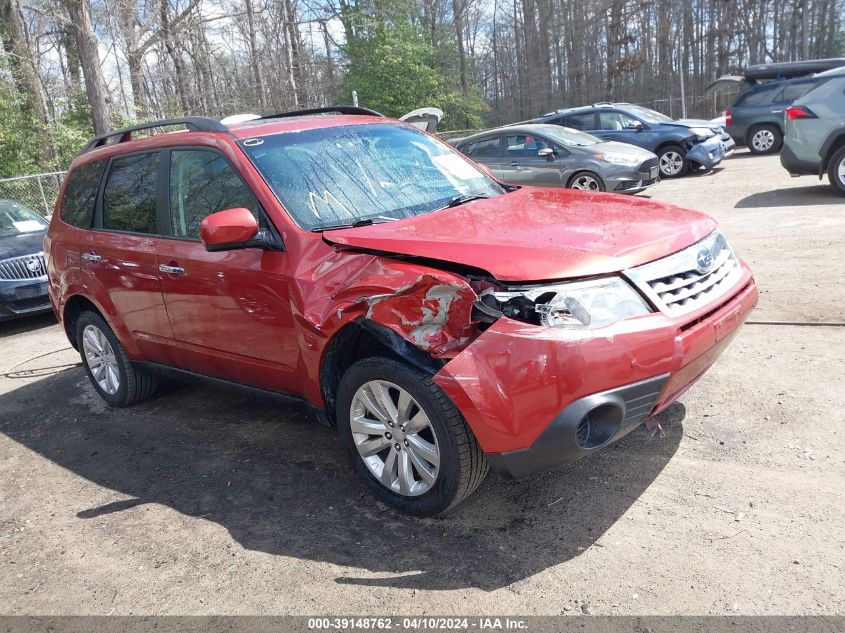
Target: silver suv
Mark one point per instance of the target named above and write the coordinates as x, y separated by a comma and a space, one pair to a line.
814, 128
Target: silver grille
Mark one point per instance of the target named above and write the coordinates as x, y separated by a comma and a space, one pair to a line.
691, 278
26, 267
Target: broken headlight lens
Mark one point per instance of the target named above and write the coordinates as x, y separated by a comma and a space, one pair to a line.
575, 305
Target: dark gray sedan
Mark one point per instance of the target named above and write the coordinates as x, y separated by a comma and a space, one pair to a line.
555, 156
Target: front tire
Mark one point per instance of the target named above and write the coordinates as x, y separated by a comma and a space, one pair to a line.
836, 171
112, 374
764, 139
673, 162
408, 441
586, 181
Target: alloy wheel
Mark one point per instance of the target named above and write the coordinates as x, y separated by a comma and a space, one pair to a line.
671, 163
840, 171
101, 359
586, 183
395, 438
763, 140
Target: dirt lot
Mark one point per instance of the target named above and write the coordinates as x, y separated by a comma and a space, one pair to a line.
207, 502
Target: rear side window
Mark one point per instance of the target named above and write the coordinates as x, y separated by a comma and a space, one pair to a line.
129, 197
77, 206
485, 148
758, 97
796, 90
203, 182
580, 121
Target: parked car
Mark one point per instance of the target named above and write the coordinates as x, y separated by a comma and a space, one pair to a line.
23, 275
815, 132
554, 156
679, 144
755, 119
443, 321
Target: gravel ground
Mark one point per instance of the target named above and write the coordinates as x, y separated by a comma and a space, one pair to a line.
204, 501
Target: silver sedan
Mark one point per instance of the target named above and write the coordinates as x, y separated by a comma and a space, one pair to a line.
554, 156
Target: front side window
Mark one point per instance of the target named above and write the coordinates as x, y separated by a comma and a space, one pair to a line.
16, 219
379, 172
485, 148
203, 182
129, 197
522, 145
615, 121
77, 208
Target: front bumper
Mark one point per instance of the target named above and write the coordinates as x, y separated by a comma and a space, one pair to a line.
19, 298
728, 146
634, 180
524, 389
708, 153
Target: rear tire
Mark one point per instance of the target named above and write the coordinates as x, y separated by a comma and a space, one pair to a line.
764, 139
673, 162
586, 181
836, 171
408, 441
114, 377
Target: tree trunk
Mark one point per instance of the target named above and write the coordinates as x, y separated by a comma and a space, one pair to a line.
89, 58
23, 71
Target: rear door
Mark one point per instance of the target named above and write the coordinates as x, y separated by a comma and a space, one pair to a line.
486, 151
230, 310
119, 256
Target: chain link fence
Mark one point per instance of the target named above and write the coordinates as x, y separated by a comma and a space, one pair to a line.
38, 191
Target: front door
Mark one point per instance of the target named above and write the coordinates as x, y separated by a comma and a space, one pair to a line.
119, 255
525, 165
230, 310
618, 126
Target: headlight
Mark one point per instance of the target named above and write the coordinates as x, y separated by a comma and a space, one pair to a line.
575, 305
619, 159
701, 132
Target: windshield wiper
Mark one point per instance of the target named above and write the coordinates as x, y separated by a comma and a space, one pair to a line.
463, 199
354, 225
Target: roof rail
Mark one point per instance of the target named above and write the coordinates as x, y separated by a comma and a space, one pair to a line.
602, 103
194, 123
341, 109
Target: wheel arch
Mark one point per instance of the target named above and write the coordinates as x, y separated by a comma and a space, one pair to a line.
73, 308
834, 142
364, 338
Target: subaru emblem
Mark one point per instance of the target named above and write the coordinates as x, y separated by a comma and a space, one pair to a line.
704, 260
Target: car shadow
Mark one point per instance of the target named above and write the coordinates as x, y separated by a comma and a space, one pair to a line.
281, 484
32, 323
813, 195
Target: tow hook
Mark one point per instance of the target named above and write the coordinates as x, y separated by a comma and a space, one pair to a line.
655, 430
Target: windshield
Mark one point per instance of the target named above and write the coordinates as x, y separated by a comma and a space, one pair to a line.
648, 115
570, 137
16, 219
379, 172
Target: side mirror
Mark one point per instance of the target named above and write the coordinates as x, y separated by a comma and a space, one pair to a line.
229, 229
635, 125
547, 152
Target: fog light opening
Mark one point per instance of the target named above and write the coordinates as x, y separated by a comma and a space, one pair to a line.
598, 426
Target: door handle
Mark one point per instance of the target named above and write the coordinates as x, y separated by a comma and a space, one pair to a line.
171, 270
91, 257
776, 111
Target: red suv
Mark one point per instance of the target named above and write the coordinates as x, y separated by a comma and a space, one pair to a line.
443, 321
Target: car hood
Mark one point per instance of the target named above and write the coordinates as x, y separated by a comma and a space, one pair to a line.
694, 123
24, 244
537, 234
622, 148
